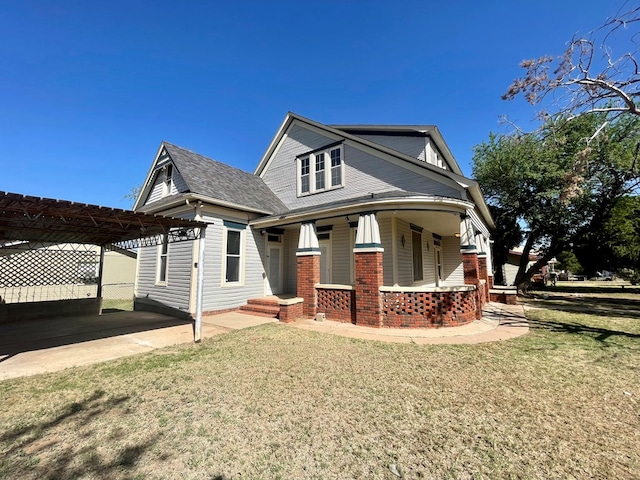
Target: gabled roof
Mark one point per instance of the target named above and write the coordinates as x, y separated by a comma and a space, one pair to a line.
216, 181
470, 184
430, 131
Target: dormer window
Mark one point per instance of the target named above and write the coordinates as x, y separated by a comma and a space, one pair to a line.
320, 170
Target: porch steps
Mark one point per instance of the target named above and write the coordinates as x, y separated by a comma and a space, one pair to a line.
264, 307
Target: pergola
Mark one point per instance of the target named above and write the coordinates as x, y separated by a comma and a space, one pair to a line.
28, 222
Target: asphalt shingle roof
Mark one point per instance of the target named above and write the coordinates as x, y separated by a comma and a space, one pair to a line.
219, 181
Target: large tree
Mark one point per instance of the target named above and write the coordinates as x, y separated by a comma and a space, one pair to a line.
561, 182
617, 245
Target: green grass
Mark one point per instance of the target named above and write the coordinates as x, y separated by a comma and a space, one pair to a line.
278, 402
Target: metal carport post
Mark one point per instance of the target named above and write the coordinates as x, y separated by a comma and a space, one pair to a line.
199, 287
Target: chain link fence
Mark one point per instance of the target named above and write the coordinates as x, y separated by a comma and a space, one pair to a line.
117, 296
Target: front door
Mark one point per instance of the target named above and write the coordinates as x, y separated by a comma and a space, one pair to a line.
437, 251
274, 253
325, 260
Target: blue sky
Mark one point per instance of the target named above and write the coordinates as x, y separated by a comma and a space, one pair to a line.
88, 90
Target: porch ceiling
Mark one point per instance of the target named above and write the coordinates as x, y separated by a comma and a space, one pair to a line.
445, 224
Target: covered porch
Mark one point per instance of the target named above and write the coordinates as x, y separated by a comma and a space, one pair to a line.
412, 264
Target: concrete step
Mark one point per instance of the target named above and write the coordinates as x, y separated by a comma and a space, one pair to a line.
263, 309
269, 301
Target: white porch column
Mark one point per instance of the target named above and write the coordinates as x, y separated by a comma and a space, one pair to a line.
467, 236
308, 240
368, 234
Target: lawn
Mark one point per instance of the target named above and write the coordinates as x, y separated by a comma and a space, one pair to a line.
278, 402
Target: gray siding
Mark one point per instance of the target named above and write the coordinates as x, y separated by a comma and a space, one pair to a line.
341, 253
290, 270
215, 295
412, 146
386, 237
479, 224
177, 290
405, 257
428, 260
452, 261
177, 185
155, 193
363, 174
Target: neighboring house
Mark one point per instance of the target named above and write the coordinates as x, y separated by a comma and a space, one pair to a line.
510, 269
33, 273
370, 224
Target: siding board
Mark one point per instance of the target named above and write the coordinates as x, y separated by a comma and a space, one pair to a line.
364, 174
452, 261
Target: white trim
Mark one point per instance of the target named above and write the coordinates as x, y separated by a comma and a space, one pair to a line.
334, 286
368, 249
457, 288
312, 159
307, 254
426, 202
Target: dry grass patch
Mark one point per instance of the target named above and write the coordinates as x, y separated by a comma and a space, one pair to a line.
278, 402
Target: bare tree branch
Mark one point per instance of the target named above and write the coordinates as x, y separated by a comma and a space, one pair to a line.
588, 76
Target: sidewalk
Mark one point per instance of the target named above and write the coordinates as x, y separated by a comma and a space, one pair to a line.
499, 322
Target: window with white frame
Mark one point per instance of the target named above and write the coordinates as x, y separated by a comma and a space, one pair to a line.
233, 247
163, 260
321, 170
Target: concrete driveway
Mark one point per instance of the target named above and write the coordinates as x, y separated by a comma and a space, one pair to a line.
49, 345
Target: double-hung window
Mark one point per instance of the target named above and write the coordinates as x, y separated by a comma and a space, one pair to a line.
321, 170
233, 251
163, 260
416, 253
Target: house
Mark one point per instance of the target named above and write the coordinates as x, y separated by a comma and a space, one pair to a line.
370, 224
510, 269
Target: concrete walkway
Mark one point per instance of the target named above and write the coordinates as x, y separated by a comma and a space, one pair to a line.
49, 345
499, 322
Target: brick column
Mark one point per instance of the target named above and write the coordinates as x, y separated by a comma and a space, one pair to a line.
308, 271
369, 277
471, 269
308, 276
482, 273
368, 254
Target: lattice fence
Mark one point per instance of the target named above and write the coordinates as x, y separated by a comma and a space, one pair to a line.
48, 274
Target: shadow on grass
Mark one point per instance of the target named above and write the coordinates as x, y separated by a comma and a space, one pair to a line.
598, 306
70, 445
39, 448
597, 333
604, 290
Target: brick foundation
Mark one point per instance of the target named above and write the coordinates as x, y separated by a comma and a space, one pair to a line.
428, 309
337, 304
508, 298
483, 274
290, 312
308, 276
